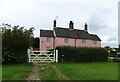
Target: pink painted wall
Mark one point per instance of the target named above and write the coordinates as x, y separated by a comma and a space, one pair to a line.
44, 44
88, 43
59, 41
79, 43
98, 44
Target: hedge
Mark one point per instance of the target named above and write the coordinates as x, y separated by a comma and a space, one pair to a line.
14, 57
81, 54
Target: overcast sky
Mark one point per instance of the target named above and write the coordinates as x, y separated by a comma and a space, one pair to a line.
100, 15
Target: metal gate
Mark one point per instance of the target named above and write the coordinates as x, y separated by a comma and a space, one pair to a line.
42, 56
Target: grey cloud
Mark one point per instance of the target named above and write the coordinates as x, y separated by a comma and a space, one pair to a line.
41, 15
112, 39
110, 43
97, 20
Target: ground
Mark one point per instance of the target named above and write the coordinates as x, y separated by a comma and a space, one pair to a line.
63, 71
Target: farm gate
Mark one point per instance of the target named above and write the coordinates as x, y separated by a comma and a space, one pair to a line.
42, 56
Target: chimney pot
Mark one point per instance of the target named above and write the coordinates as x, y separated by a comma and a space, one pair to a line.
86, 27
71, 25
54, 23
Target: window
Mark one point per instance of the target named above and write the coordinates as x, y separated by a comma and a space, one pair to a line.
83, 41
48, 39
47, 48
66, 40
95, 42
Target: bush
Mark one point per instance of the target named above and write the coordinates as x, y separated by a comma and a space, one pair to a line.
116, 60
81, 54
15, 42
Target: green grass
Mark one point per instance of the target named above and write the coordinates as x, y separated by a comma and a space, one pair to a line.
15, 71
48, 73
74, 71
0, 72
90, 71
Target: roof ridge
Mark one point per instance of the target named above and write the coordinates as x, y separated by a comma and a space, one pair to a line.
62, 27
46, 30
93, 34
70, 29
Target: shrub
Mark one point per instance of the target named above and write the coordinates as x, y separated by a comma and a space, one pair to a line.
116, 60
15, 42
81, 54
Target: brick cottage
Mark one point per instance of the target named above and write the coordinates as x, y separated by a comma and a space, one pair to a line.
50, 39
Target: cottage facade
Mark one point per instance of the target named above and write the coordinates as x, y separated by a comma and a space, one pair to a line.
50, 39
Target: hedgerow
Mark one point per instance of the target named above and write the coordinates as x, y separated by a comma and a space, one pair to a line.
81, 54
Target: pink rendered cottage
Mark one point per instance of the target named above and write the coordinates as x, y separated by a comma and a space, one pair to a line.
50, 39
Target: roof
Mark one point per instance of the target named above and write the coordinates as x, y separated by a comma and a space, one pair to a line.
69, 33
95, 37
64, 32
46, 33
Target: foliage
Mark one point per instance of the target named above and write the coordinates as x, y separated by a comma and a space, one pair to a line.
81, 54
36, 42
116, 60
15, 42
114, 51
107, 47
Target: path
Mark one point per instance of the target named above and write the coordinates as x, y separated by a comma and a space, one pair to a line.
60, 75
35, 71
34, 75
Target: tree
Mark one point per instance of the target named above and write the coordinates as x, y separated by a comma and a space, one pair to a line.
36, 42
15, 42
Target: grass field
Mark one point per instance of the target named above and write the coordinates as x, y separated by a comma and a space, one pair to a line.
0, 72
16, 71
90, 71
63, 71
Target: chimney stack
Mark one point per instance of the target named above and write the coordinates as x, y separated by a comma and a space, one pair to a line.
86, 27
54, 23
71, 25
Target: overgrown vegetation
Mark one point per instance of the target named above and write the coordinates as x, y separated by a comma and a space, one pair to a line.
81, 54
15, 42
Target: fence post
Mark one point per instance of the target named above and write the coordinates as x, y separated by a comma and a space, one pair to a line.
29, 57
56, 56
28, 51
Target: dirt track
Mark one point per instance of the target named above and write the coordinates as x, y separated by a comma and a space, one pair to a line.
35, 71
34, 75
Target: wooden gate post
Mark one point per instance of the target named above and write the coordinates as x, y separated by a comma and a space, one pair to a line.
56, 56
28, 51
28, 57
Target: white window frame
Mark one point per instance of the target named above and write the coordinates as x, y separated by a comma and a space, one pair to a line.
48, 47
48, 39
66, 40
94, 42
83, 41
